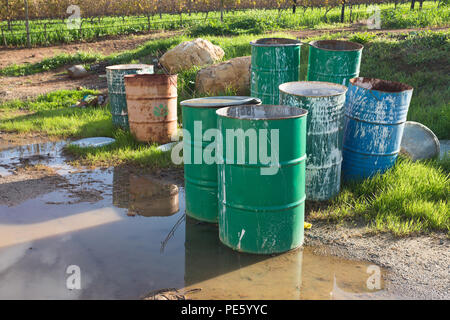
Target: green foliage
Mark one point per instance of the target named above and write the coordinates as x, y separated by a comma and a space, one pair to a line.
55, 62
409, 198
403, 17
250, 21
362, 38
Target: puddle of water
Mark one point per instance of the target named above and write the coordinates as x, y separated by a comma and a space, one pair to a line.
49, 153
129, 236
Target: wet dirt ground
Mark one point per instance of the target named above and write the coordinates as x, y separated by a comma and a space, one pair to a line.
126, 233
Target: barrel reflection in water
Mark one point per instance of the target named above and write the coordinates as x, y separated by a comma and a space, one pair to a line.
144, 195
222, 273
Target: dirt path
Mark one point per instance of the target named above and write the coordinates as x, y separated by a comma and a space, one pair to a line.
41, 83
31, 86
106, 47
418, 267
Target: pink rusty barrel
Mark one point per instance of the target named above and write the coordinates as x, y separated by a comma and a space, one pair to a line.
152, 106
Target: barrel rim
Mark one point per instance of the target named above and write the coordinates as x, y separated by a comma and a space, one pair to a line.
283, 90
392, 86
291, 42
357, 46
129, 66
240, 100
223, 112
172, 78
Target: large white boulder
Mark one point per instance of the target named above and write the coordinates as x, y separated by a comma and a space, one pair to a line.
216, 79
198, 52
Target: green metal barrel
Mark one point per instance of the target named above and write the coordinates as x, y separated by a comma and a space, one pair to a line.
274, 61
334, 61
262, 178
116, 90
199, 116
325, 104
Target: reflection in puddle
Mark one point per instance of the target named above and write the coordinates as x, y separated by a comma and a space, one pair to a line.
144, 196
225, 274
123, 257
49, 153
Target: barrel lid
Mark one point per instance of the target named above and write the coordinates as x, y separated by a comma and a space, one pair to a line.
313, 89
130, 67
261, 112
275, 42
219, 102
337, 45
95, 142
419, 142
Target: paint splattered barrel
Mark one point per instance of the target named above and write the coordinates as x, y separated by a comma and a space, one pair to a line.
334, 61
199, 116
116, 90
152, 106
375, 116
274, 61
325, 104
262, 178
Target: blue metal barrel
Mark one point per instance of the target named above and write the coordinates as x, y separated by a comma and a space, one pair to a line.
375, 116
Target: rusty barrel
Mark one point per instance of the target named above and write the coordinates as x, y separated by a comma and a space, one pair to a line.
116, 90
274, 61
200, 175
375, 116
334, 61
262, 178
325, 104
152, 106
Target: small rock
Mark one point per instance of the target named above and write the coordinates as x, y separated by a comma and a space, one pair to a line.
77, 72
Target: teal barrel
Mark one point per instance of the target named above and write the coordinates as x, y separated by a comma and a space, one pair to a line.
325, 104
201, 177
116, 90
375, 116
334, 61
262, 178
274, 61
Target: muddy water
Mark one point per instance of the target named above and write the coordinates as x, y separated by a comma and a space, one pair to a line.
129, 236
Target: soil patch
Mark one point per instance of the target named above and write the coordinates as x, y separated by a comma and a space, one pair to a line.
417, 266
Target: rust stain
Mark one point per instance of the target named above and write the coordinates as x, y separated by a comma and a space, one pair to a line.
152, 106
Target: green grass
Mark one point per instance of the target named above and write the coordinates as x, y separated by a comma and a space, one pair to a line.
235, 23
47, 64
421, 60
233, 47
126, 150
411, 198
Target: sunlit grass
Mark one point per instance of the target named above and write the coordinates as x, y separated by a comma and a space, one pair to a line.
411, 198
